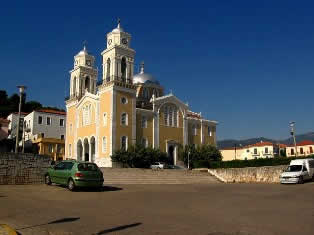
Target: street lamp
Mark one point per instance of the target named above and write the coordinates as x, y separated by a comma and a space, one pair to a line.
21, 90
292, 132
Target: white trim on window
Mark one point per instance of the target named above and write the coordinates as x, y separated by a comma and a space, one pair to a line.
124, 119
122, 139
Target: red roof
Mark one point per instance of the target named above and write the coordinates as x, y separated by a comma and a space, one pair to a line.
51, 111
23, 113
261, 144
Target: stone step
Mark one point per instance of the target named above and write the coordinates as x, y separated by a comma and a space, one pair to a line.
148, 176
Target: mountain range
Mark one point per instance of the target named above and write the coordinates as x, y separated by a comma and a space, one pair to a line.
231, 142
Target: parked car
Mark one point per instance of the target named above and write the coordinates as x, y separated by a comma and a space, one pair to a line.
298, 171
72, 174
157, 165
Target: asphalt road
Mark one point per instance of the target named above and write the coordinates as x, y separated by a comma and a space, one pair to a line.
214, 209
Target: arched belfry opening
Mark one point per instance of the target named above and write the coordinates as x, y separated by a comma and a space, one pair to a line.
74, 87
87, 83
108, 70
123, 69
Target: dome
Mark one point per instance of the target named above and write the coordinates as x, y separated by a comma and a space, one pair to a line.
83, 52
118, 29
144, 78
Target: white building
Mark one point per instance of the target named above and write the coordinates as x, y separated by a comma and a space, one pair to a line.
304, 148
13, 118
45, 123
253, 151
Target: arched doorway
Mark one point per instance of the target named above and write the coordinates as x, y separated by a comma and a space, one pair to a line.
172, 146
86, 150
171, 154
79, 148
92, 146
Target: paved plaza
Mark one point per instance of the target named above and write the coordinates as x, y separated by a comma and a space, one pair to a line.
214, 209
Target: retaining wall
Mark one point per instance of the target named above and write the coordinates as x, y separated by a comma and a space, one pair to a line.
266, 174
23, 168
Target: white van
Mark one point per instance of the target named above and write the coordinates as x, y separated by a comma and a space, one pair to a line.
298, 171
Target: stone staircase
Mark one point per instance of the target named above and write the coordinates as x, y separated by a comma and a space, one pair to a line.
148, 176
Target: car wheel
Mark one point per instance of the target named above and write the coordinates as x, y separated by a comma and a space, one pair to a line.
301, 181
71, 185
47, 180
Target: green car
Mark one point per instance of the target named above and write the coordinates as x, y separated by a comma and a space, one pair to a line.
74, 174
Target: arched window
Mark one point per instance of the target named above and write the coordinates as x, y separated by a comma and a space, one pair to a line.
175, 117
87, 83
123, 69
194, 129
74, 86
108, 70
104, 144
166, 113
144, 142
124, 119
124, 142
86, 115
144, 122
171, 115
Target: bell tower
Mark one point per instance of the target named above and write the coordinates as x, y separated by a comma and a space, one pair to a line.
84, 75
117, 91
118, 57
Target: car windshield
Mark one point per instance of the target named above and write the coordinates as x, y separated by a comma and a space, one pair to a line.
87, 167
294, 168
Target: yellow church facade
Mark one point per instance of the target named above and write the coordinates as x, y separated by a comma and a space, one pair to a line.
125, 109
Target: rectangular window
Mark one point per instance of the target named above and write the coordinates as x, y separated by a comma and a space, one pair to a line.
62, 137
71, 128
209, 131
255, 151
48, 121
40, 120
266, 150
144, 122
50, 148
61, 122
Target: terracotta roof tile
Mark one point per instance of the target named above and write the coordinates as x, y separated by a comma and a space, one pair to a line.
51, 111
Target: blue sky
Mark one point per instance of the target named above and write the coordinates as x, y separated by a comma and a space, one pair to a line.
247, 64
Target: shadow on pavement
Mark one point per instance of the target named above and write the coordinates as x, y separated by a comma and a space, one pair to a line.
63, 220
102, 189
110, 230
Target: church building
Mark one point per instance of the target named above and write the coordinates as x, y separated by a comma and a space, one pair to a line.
125, 109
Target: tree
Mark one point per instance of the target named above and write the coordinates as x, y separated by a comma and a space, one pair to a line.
201, 156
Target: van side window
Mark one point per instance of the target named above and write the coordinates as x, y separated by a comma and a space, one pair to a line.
304, 169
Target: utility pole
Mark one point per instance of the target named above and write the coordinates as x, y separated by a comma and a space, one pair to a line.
21, 90
292, 132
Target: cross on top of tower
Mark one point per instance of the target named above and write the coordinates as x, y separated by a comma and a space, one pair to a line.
84, 45
142, 67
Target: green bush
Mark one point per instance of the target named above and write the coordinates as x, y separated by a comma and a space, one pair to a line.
138, 156
199, 157
254, 162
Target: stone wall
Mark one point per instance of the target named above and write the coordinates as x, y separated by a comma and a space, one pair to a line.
266, 174
23, 168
